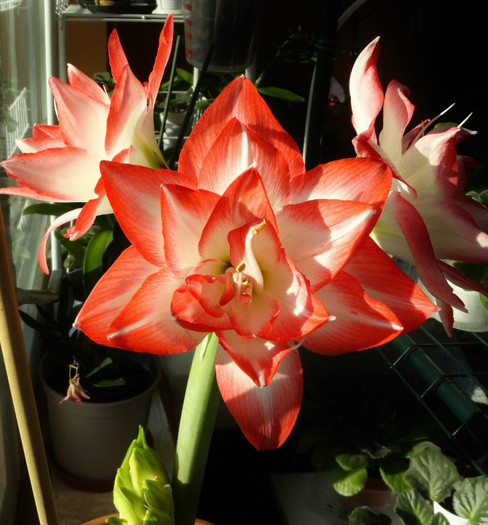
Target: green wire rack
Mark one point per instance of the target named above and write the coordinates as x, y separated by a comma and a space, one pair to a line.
449, 377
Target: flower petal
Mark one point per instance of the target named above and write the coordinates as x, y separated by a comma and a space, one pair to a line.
365, 89
241, 100
321, 235
82, 119
357, 179
381, 278
356, 320
111, 293
138, 206
182, 231
266, 415
58, 174
257, 358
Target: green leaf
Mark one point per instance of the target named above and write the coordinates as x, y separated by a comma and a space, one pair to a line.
471, 500
413, 508
348, 483
185, 75
365, 516
281, 93
93, 261
392, 471
432, 473
46, 208
75, 248
353, 461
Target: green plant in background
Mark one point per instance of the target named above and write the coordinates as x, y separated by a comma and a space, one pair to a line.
435, 478
360, 436
142, 490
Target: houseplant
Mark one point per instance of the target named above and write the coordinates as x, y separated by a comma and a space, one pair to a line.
218, 258
437, 495
436, 481
363, 441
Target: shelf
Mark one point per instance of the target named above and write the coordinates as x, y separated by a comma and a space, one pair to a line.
449, 377
76, 13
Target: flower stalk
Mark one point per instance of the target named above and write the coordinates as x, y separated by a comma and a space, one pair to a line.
195, 431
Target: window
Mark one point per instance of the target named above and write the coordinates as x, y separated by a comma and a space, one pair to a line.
24, 46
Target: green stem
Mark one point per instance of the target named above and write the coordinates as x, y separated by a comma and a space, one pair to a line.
195, 431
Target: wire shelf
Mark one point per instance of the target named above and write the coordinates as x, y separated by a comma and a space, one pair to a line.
449, 377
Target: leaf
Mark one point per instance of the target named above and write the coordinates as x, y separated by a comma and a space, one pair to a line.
93, 261
392, 471
353, 461
365, 516
281, 93
46, 208
348, 483
432, 473
413, 508
471, 500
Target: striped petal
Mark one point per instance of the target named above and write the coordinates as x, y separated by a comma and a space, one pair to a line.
267, 414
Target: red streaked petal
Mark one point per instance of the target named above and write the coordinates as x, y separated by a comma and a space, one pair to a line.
59, 221
365, 88
357, 179
417, 236
241, 100
58, 174
146, 323
258, 358
182, 231
83, 120
244, 201
321, 235
111, 294
356, 320
134, 193
43, 137
381, 278
266, 415
81, 82
397, 113
236, 149
162, 56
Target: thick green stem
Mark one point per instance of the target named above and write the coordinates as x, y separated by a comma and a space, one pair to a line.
195, 431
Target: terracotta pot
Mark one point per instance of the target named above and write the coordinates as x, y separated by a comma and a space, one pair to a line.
376, 495
101, 521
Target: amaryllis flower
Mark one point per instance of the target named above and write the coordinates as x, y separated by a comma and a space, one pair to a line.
427, 219
60, 163
242, 242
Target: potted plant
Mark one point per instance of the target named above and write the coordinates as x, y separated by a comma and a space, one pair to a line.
363, 440
439, 489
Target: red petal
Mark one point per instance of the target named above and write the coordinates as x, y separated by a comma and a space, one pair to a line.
258, 358
358, 179
241, 100
182, 231
162, 56
111, 294
146, 323
417, 236
83, 120
234, 151
383, 280
356, 320
321, 235
266, 415
58, 174
244, 201
365, 89
134, 193
83, 83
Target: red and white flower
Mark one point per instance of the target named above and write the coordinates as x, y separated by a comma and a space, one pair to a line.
242, 242
427, 219
60, 163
